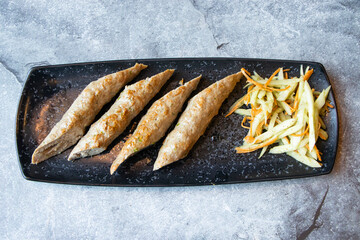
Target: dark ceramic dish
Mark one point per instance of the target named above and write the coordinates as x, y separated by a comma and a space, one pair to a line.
50, 90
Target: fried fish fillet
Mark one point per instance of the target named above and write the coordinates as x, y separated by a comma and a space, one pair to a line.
156, 122
82, 112
194, 120
129, 104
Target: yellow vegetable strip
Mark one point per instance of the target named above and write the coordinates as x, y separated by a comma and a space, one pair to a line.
310, 105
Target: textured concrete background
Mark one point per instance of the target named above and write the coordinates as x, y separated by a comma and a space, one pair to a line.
40, 32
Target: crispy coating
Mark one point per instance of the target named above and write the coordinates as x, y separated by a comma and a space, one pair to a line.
82, 112
194, 120
156, 122
129, 104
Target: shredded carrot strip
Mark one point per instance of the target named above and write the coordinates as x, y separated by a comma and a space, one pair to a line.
245, 71
317, 153
249, 79
287, 140
272, 76
329, 105
247, 98
301, 134
286, 75
242, 123
286, 70
250, 88
308, 74
255, 147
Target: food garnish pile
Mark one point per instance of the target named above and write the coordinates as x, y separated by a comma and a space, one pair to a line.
283, 111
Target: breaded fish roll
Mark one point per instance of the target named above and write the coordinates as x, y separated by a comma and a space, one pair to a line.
156, 122
129, 104
194, 120
82, 112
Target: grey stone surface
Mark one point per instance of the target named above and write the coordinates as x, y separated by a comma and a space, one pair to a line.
38, 32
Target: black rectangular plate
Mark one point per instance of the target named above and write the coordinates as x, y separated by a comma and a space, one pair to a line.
50, 90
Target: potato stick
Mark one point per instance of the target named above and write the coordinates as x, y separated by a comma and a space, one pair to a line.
285, 106
310, 108
261, 94
257, 120
253, 97
278, 90
285, 94
280, 83
271, 126
302, 151
243, 112
304, 159
323, 134
291, 130
301, 134
320, 101
275, 131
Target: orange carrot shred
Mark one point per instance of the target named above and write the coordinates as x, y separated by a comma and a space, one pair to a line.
287, 140
317, 153
329, 105
242, 123
308, 74
247, 72
249, 79
272, 76
286, 75
253, 148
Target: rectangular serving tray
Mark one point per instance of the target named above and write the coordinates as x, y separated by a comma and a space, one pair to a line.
50, 90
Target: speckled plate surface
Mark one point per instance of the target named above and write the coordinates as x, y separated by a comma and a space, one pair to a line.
50, 90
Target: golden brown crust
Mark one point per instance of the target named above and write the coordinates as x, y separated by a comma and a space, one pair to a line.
130, 102
82, 112
194, 120
156, 122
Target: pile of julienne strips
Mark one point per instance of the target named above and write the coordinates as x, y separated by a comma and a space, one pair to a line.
70, 130
284, 111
